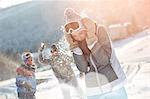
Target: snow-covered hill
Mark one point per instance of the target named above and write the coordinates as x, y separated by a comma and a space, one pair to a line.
26, 25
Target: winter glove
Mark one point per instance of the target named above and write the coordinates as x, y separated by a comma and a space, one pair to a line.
91, 28
79, 35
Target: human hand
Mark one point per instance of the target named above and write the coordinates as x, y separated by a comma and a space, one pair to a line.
79, 35
42, 47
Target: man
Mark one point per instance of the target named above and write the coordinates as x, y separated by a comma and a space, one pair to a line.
60, 63
94, 55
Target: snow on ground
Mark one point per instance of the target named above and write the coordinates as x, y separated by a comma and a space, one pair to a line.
133, 53
137, 47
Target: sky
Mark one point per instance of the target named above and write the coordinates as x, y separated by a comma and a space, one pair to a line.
8, 3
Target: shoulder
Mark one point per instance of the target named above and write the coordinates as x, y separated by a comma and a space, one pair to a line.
102, 28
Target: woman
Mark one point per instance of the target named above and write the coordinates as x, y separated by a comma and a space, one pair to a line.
94, 55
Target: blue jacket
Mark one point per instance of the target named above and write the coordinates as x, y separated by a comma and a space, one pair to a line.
26, 84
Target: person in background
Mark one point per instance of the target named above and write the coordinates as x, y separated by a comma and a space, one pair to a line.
60, 63
95, 56
25, 79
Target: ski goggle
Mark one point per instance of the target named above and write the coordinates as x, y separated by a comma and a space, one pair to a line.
71, 26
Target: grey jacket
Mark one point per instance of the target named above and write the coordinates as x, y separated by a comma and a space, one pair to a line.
104, 68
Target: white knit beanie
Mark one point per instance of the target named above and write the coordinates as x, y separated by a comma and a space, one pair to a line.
71, 15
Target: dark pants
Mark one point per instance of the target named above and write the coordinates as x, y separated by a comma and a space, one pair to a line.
26, 96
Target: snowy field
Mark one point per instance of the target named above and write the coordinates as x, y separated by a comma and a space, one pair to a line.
133, 53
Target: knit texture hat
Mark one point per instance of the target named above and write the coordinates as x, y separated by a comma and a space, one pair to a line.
71, 15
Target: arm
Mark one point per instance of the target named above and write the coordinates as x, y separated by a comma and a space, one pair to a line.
42, 60
104, 40
78, 56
